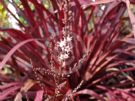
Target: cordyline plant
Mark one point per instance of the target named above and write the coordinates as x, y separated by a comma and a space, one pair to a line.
72, 51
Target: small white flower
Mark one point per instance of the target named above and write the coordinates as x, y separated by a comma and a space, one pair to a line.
67, 49
68, 38
62, 57
62, 43
66, 56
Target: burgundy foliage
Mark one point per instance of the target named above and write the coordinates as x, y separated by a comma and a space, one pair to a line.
72, 51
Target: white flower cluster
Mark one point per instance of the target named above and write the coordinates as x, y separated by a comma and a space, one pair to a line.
66, 47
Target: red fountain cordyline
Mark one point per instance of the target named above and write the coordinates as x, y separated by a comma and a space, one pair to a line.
72, 51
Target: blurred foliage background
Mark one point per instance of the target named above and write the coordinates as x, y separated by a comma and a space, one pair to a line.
6, 21
3, 17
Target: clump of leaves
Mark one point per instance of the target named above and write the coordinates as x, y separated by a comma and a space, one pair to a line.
72, 51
